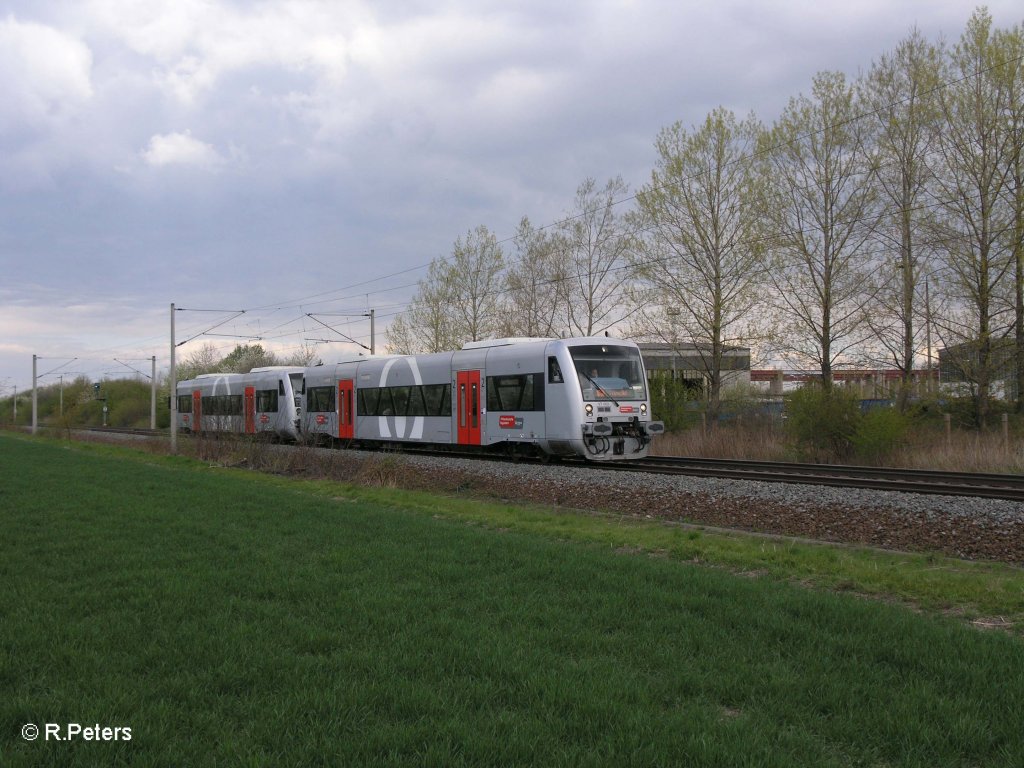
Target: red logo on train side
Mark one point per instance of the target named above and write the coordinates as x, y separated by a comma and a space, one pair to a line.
321, 419
507, 422
264, 418
625, 409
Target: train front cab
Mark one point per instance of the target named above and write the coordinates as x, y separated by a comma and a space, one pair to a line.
597, 400
273, 401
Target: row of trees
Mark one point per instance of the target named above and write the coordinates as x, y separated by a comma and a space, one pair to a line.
870, 215
242, 359
76, 403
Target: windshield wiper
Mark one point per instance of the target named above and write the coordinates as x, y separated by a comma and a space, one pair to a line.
600, 388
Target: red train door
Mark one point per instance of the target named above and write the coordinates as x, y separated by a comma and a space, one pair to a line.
197, 411
250, 410
346, 420
468, 406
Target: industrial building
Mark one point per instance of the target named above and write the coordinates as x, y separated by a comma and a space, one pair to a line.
691, 363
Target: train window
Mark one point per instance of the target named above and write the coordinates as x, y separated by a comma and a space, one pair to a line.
222, 405
320, 400
184, 403
474, 408
446, 400
266, 400
437, 399
516, 393
554, 371
280, 387
416, 404
427, 400
609, 372
400, 400
366, 400
385, 406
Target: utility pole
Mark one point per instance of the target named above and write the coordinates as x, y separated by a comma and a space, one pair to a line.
928, 332
174, 391
35, 402
152, 396
373, 336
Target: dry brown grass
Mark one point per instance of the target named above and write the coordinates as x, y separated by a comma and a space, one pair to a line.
759, 443
926, 448
964, 451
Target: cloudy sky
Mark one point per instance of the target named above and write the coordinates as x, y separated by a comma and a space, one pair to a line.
301, 156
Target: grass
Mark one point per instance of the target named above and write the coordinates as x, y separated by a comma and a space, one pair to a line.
233, 618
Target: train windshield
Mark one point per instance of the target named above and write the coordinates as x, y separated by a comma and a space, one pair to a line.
609, 372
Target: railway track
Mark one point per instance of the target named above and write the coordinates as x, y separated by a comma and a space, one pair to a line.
979, 485
969, 484
126, 431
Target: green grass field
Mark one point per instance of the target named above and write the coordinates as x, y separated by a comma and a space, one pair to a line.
230, 618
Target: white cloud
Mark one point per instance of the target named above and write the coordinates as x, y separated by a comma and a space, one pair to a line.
196, 44
181, 149
44, 74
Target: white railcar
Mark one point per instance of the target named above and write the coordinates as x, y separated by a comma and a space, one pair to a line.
265, 400
556, 397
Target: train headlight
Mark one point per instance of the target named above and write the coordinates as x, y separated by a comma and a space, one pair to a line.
589, 409
643, 408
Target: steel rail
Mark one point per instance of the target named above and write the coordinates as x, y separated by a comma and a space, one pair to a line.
976, 485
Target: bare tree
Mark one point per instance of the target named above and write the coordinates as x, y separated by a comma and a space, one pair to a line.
534, 283
458, 301
304, 355
822, 208
1009, 45
701, 259
400, 338
428, 325
595, 240
901, 93
973, 219
475, 276
244, 357
206, 359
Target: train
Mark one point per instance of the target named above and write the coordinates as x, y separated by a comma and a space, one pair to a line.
584, 397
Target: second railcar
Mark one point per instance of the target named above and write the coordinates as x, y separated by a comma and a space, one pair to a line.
265, 400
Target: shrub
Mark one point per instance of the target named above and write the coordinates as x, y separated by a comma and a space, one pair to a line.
879, 433
672, 403
822, 423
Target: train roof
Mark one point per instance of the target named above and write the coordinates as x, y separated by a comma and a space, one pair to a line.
484, 343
